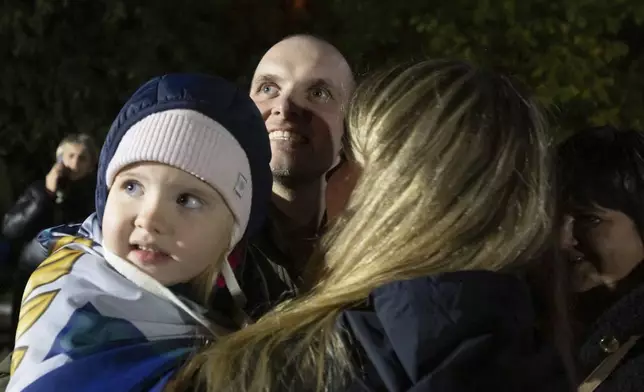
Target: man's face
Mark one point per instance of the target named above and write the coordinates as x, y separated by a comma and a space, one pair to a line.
606, 246
301, 87
77, 159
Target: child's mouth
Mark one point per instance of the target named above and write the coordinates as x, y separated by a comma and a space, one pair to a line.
148, 255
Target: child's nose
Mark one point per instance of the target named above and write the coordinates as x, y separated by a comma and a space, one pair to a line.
152, 219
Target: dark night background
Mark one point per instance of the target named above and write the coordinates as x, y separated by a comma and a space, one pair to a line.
67, 65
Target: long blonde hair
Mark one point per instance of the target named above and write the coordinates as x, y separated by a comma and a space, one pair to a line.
456, 176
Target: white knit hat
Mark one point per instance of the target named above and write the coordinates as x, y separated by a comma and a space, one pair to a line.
197, 144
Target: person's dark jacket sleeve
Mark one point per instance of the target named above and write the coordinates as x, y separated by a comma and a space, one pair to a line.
31, 213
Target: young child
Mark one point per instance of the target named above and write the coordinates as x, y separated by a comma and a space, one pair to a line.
183, 177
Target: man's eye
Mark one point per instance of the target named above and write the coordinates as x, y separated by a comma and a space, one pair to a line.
268, 89
189, 201
320, 94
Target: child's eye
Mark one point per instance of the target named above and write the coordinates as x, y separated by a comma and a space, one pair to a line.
189, 201
132, 188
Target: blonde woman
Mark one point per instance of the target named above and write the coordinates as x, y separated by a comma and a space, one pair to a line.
416, 290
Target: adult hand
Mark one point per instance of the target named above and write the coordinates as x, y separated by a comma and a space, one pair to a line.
53, 177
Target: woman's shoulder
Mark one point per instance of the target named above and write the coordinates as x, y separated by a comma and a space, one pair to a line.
460, 300
451, 332
618, 330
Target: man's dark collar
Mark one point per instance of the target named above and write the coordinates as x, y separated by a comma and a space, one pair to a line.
277, 220
276, 233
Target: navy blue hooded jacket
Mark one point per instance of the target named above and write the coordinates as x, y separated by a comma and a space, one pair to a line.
456, 332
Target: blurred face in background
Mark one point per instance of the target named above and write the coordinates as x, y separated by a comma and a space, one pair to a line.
77, 159
605, 247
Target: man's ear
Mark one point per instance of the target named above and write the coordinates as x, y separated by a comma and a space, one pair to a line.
344, 145
338, 159
60, 150
337, 162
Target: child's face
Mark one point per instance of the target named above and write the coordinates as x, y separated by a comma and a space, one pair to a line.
165, 221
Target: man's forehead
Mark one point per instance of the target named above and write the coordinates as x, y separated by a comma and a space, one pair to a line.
305, 65
298, 71
75, 147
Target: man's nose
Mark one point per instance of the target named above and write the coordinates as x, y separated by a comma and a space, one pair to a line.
72, 163
285, 106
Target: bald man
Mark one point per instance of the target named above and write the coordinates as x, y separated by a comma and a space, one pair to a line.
301, 86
